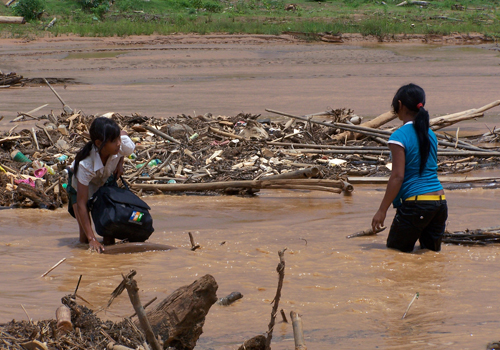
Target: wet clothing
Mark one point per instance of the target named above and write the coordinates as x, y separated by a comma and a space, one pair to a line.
415, 219
414, 183
418, 220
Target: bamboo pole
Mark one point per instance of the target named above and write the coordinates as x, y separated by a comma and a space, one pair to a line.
227, 134
261, 184
379, 180
63, 317
67, 109
298, 333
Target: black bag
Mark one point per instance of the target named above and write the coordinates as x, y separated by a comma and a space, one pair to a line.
119, 213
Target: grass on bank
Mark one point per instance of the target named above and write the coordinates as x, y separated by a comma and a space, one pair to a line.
145, 17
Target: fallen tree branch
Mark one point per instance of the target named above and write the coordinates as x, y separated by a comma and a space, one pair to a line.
133, 293
281, 276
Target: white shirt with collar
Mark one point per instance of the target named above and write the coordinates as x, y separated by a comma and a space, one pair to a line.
91, 171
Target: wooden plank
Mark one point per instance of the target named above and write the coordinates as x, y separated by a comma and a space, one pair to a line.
12, 20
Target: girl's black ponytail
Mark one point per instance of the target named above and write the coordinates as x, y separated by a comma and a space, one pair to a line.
82, 154
421, 125
413, 97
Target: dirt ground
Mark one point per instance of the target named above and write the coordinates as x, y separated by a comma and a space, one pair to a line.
222, 74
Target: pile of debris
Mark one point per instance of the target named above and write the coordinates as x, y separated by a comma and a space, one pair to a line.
12, 79
225, 154
175, 323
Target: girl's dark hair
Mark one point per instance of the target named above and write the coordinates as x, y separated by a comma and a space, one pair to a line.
413, 97
102, 129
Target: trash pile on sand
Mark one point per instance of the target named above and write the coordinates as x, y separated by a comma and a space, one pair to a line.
12, 79
239, 154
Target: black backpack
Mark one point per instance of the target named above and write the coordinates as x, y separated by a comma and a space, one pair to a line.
117, 212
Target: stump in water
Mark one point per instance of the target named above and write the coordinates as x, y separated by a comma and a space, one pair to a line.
256, 343
179, 318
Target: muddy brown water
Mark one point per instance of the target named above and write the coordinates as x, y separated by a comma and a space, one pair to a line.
351, 293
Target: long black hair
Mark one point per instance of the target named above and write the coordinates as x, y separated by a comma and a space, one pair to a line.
102, 129
413, 97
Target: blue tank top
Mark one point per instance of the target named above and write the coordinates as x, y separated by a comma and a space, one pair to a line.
415, 183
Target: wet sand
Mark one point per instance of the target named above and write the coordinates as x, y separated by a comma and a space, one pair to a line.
351, 293
166, 76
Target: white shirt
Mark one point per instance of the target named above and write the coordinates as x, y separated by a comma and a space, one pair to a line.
91, 171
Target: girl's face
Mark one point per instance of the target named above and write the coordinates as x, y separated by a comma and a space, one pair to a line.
112, 147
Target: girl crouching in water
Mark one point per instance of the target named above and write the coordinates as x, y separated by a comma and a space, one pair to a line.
413, 187
94, 164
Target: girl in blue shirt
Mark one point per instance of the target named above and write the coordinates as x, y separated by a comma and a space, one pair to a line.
413, 187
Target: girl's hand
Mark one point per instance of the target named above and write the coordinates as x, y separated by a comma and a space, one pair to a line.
378, 220
94, 245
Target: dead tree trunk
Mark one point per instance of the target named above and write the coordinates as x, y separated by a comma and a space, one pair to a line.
179, 318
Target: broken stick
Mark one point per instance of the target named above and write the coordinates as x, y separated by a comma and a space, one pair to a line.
298, 333
133, 293
368, 232
281, 273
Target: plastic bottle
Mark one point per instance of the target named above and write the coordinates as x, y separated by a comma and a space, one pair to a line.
62, 158
154, 162
151, 164
49, 169
132, 156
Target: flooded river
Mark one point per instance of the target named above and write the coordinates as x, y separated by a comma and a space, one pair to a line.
352, 293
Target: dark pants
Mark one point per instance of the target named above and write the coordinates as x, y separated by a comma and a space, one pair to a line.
418, 220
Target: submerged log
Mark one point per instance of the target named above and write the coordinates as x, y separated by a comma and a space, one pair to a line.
256, 343
135, 247
179, 318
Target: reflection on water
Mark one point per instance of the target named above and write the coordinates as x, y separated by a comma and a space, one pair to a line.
351, 293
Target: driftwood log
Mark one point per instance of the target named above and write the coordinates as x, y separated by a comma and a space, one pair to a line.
297, 174
374, 123
481, 236
179, 318
39, 198
12, 20
336, 186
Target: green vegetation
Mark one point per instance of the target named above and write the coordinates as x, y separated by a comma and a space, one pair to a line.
29, 9
368, 17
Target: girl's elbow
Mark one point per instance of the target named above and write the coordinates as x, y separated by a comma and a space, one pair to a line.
397, 178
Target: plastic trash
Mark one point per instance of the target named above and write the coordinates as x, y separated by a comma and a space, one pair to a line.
19, 157
151, 164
